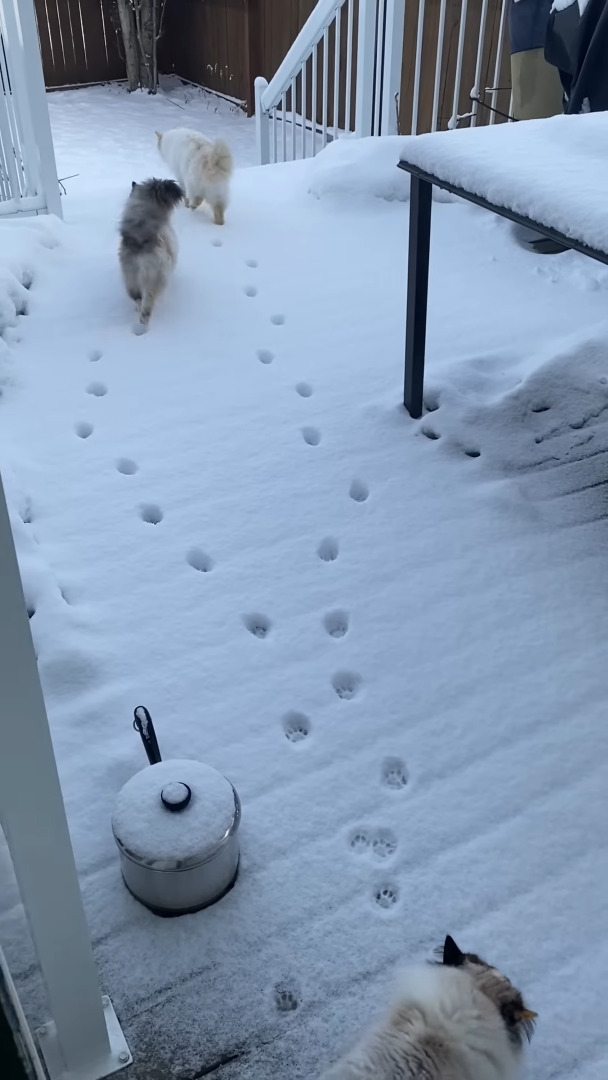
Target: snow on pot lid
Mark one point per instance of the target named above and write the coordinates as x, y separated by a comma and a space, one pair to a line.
173, 815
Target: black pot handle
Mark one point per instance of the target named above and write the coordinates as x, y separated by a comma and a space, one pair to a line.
143, 724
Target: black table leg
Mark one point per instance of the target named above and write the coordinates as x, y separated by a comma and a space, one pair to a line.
417, 291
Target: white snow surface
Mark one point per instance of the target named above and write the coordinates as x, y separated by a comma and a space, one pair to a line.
352, 167
561, 5
155, 835
389, 634
552, 171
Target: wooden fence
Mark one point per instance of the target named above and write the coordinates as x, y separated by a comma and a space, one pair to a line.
79, 42
224, 44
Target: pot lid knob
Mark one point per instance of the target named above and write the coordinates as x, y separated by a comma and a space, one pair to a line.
175, 796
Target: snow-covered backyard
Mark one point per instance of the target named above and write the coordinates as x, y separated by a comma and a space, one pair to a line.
417, 728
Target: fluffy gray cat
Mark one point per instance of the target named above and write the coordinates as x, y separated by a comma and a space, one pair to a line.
458, 1019
148, 244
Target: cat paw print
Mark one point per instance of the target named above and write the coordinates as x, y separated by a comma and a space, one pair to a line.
286, 998
384, 844
386, 897
394, 773
359, 842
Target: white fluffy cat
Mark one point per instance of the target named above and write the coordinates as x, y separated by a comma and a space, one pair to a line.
460, 1019
201, 167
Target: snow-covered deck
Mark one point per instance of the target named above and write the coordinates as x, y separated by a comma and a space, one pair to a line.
419, 740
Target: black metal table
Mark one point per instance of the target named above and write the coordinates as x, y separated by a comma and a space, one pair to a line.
421, 190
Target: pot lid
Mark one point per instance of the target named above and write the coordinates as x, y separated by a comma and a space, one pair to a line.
175, 814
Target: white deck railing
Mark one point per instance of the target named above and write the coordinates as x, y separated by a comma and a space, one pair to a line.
309, 101
28, 175
345, 47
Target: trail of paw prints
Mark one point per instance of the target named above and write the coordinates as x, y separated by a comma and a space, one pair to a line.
265, 356
304, 389
296, 727
95, 355
379, 843
394, 773
83, 429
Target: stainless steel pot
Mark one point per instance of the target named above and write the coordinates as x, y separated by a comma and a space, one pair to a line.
175, 824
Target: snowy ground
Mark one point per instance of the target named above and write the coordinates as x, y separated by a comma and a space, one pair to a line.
419, 740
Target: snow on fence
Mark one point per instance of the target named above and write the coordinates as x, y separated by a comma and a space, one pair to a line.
28, 176
380, 66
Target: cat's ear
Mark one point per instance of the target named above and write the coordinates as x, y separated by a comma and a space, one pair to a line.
452, 956
133, 185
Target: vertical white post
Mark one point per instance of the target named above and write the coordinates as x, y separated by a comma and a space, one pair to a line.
283, 127
418, 66
393, 64
294, 99
348, 107
313, 110
337, 44
262, 125
325, 86
476, 91
366, 62
21, 21
34, 822
379, 67
497, 66
453, 121
304, 108
438, 65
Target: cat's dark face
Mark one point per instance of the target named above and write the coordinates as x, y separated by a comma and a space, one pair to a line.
518, 1019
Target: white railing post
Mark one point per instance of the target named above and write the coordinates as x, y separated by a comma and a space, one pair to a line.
393, 64
366, 63
418, 66
21, 27
262, 122
83, 1039
453, 121
498, 63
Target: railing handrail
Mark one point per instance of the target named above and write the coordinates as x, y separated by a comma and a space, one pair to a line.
311, 33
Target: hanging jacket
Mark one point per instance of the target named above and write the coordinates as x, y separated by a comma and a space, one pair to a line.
528, 24
577, 44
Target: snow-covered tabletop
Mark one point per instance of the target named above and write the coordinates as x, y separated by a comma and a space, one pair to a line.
552, 171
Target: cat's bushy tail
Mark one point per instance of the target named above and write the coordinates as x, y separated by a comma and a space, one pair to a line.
220, 163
